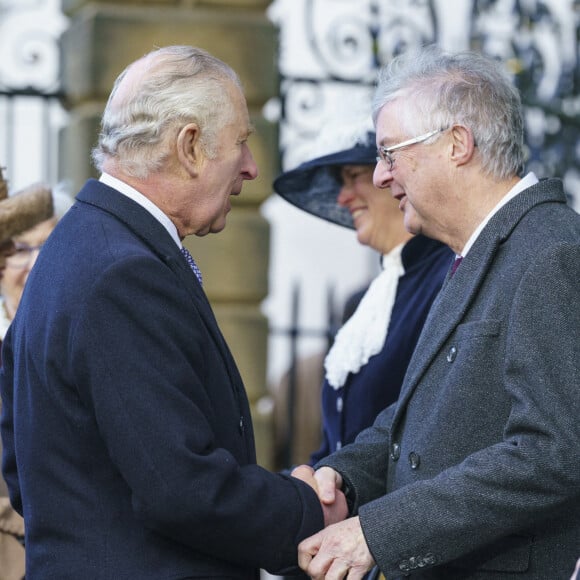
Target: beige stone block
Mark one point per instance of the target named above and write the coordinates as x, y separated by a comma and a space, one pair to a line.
245, 329
264, 146
234, 262
76, 142
103, 39
70, 6
235, 3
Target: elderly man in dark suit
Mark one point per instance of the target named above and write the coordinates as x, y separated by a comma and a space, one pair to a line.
127, 432
474, 473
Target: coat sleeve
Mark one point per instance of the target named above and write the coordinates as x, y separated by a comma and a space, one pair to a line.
363, 463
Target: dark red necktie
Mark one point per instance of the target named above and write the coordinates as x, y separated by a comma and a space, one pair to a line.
455, 265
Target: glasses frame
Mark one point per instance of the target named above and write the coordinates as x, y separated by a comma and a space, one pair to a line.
384, 153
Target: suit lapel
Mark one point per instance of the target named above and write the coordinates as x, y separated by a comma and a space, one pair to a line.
448, 310
189, 280
158, 240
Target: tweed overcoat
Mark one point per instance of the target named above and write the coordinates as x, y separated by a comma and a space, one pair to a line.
475, 471
128, 442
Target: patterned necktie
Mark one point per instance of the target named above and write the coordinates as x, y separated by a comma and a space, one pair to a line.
455, 265
192, 263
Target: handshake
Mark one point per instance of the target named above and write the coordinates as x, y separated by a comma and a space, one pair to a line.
340, 550
327, 484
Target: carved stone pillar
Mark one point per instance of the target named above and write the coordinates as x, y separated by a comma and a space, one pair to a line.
101, 41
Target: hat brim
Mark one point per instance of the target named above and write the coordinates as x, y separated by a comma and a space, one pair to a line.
314, 186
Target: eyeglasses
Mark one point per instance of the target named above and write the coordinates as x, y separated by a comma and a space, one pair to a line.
385, 153
22, 255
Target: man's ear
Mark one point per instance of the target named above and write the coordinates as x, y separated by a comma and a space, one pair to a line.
189, 151
463, 144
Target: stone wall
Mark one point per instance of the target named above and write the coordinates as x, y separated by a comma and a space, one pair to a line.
101, 40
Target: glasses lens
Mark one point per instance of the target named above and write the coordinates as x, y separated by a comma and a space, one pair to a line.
384, 155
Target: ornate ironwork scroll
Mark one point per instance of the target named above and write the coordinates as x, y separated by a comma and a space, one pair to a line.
30, 110
331, 50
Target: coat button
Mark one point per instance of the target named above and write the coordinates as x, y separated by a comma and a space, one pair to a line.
429, 559
339, 404
452, 354
395, 451
414, 460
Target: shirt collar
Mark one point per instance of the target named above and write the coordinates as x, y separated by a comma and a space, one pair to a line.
527, 181
144, 202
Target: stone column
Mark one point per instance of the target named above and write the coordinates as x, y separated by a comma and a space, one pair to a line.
102, 39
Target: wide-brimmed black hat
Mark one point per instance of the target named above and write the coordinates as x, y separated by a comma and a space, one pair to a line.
314, 185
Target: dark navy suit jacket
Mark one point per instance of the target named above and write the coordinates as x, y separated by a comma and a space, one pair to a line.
128, 442
354, 407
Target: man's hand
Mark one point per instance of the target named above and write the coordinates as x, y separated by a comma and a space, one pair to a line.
327, 486
335, 552
324, 481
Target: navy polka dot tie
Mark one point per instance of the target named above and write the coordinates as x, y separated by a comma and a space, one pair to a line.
192, 263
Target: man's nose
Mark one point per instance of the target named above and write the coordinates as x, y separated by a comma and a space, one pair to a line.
382, 175
249, 168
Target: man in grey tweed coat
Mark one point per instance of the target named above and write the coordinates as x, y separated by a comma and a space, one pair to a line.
475, 472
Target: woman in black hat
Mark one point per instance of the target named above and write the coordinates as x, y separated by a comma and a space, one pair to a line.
365, 367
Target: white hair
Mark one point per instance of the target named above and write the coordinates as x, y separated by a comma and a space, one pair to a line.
183, 84
438, 89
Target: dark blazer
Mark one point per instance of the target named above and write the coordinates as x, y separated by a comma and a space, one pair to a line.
128, 442
474, 472
354, 407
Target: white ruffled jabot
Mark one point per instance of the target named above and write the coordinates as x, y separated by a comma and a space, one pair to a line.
364, 333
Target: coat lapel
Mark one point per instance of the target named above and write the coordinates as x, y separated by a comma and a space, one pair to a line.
459, 292
158, 240
447, 311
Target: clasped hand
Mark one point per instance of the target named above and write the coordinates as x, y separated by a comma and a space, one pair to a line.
340, 550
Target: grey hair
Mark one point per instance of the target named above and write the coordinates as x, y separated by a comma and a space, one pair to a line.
183, 84
440, 89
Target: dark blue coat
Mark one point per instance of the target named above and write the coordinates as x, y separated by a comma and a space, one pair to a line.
128, 442
354, 407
